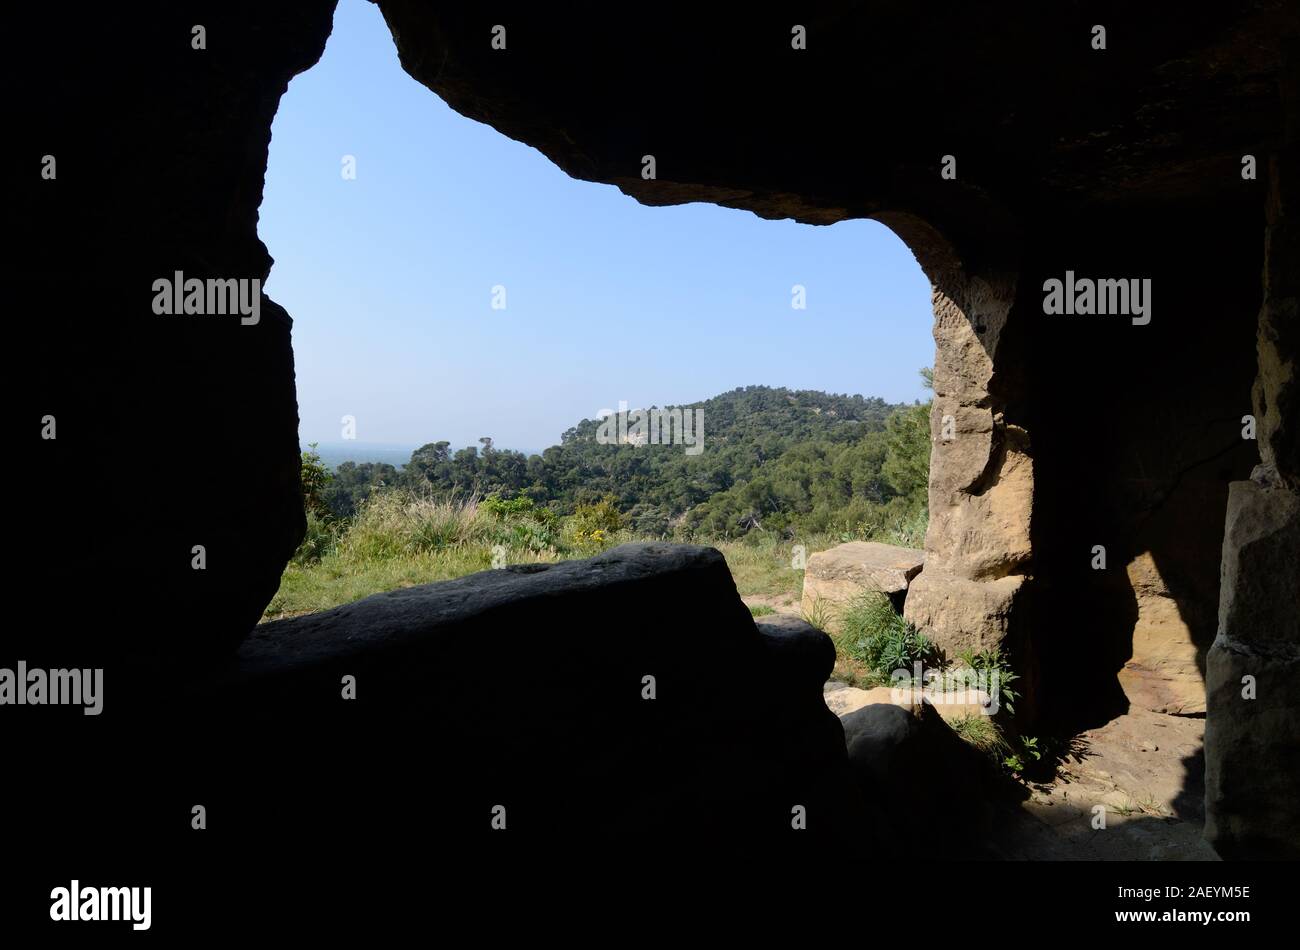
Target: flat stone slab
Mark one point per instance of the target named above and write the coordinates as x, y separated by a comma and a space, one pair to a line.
836, 576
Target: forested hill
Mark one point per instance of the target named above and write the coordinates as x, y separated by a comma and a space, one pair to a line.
772, 458
755, 414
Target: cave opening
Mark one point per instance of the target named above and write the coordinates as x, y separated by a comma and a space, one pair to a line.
473, 327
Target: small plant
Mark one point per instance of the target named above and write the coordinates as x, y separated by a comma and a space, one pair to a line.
1018, 764
321, 537
760, 610
983, 670
874, 635
983, 733
817, 614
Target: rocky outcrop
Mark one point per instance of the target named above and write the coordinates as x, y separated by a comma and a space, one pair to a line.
977, 545
834, 577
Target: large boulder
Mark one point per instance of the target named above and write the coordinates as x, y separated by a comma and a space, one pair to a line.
611, 722
928, 788
834, 577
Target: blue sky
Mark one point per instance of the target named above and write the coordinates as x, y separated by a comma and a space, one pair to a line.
389, 276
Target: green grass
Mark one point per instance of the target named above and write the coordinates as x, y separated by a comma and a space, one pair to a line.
761, 610
983, 733
399, 539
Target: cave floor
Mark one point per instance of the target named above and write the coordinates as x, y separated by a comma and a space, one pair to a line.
1146, 769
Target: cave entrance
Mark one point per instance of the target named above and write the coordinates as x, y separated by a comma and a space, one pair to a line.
496, 363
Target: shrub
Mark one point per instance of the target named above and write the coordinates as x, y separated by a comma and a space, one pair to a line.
983, 667
983, 733
877, 637
506, 508
817, 614
594, 527
314, 478
395, 523
321, 537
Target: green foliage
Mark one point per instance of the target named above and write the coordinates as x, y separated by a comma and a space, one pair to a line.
776, 461
983, 733
907, 453
984, 668
520, 505
519, 523
761, 610
871, 633
779, 465
314, 478
321, 537
817, 614
396, 523
1018, 763
600, 516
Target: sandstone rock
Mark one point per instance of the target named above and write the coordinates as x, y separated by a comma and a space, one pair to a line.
834, 577
844, 699
1259, 596
1252, 725
958, 613
982, 499
1162, 673
848, 699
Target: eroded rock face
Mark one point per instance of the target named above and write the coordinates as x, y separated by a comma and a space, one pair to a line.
1162, 674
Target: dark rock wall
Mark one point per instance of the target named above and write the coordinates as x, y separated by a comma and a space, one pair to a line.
172, 431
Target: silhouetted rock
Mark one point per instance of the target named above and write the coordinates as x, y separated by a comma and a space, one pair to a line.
928, 788
612, 723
